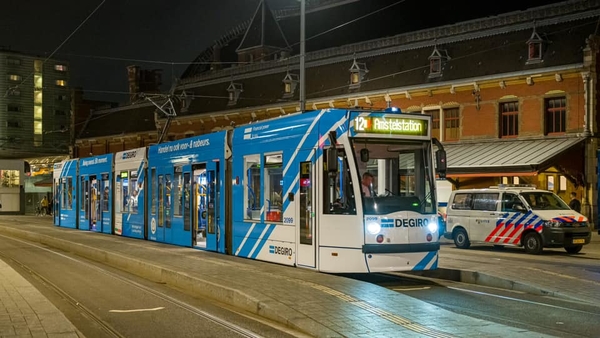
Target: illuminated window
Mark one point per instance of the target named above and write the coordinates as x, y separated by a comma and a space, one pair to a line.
234, 89
60, 68
562, 183
252, 202
10, 178
37, 127
37, 112
509, 119
550, 183
273, 188
61, 83
37, 97
555, 115
358, 71
37, 66
14, 77
37, 81
290, 82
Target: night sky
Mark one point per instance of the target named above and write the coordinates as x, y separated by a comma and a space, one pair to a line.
170, 32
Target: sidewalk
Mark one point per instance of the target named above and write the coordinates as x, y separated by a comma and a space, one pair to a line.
318, 304
25, 312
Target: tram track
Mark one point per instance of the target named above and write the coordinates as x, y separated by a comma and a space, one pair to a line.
95, 318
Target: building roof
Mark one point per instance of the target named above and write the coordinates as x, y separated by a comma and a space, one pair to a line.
264, 31
120, 121
475, 54
514, 156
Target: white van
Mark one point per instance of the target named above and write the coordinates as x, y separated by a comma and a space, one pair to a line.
515, 215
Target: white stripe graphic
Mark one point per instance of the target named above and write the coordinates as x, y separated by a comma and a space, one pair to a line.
245, 239
259, 239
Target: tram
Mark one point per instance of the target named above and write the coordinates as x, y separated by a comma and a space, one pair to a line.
95, 197
289, 190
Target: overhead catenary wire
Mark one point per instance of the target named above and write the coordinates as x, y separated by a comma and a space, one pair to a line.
59, 46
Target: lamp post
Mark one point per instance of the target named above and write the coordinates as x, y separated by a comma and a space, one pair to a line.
302, 52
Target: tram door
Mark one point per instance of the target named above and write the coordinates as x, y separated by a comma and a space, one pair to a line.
165, 213
208, 228
90, 204
57, 201
160, 224
306, 252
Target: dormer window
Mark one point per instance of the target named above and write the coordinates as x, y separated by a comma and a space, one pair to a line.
234, 89
436, 60
534, 45
290, 82
358, 70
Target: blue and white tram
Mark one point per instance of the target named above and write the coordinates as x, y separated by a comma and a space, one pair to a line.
130, 193
288, 175
186, 203
95, 193
65, 201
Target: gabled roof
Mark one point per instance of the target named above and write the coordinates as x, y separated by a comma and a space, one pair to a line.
264, 31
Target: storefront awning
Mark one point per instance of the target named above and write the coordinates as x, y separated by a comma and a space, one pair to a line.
505, 158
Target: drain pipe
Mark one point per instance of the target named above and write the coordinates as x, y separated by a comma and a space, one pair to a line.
587, 106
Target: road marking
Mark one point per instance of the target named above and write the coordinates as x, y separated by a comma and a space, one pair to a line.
137, 310
519, 300
413, 289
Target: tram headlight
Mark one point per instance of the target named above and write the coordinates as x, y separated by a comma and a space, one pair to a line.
373, 228
432, 226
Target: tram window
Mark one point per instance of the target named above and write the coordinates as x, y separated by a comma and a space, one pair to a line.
178, 182
273, 186
338, 188
125, 191
134, 191
153, 189
63, 194
252, 200
105, 191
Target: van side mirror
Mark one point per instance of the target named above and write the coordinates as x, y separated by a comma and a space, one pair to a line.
440, 161
332, 159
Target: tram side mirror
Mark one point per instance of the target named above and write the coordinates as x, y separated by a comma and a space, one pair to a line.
440, 161
364, 155
332, 160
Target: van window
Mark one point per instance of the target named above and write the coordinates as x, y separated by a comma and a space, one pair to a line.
462, 202
509, 200
486, 202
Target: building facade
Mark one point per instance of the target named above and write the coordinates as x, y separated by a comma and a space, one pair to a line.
35, 118
513, 96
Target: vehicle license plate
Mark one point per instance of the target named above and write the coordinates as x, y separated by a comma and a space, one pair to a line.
579, 241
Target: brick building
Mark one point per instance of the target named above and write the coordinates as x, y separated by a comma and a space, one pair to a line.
513, 96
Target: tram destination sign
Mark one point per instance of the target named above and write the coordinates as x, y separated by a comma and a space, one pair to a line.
391, 125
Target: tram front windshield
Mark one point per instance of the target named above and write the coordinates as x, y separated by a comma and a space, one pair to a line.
402, 174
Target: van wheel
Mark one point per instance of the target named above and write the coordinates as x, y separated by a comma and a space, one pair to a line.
574, 249
533, 243
461, 239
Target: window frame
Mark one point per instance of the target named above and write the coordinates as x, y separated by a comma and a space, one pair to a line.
508, 111
550, 115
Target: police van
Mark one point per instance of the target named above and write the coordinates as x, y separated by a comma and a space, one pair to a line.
516, 215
